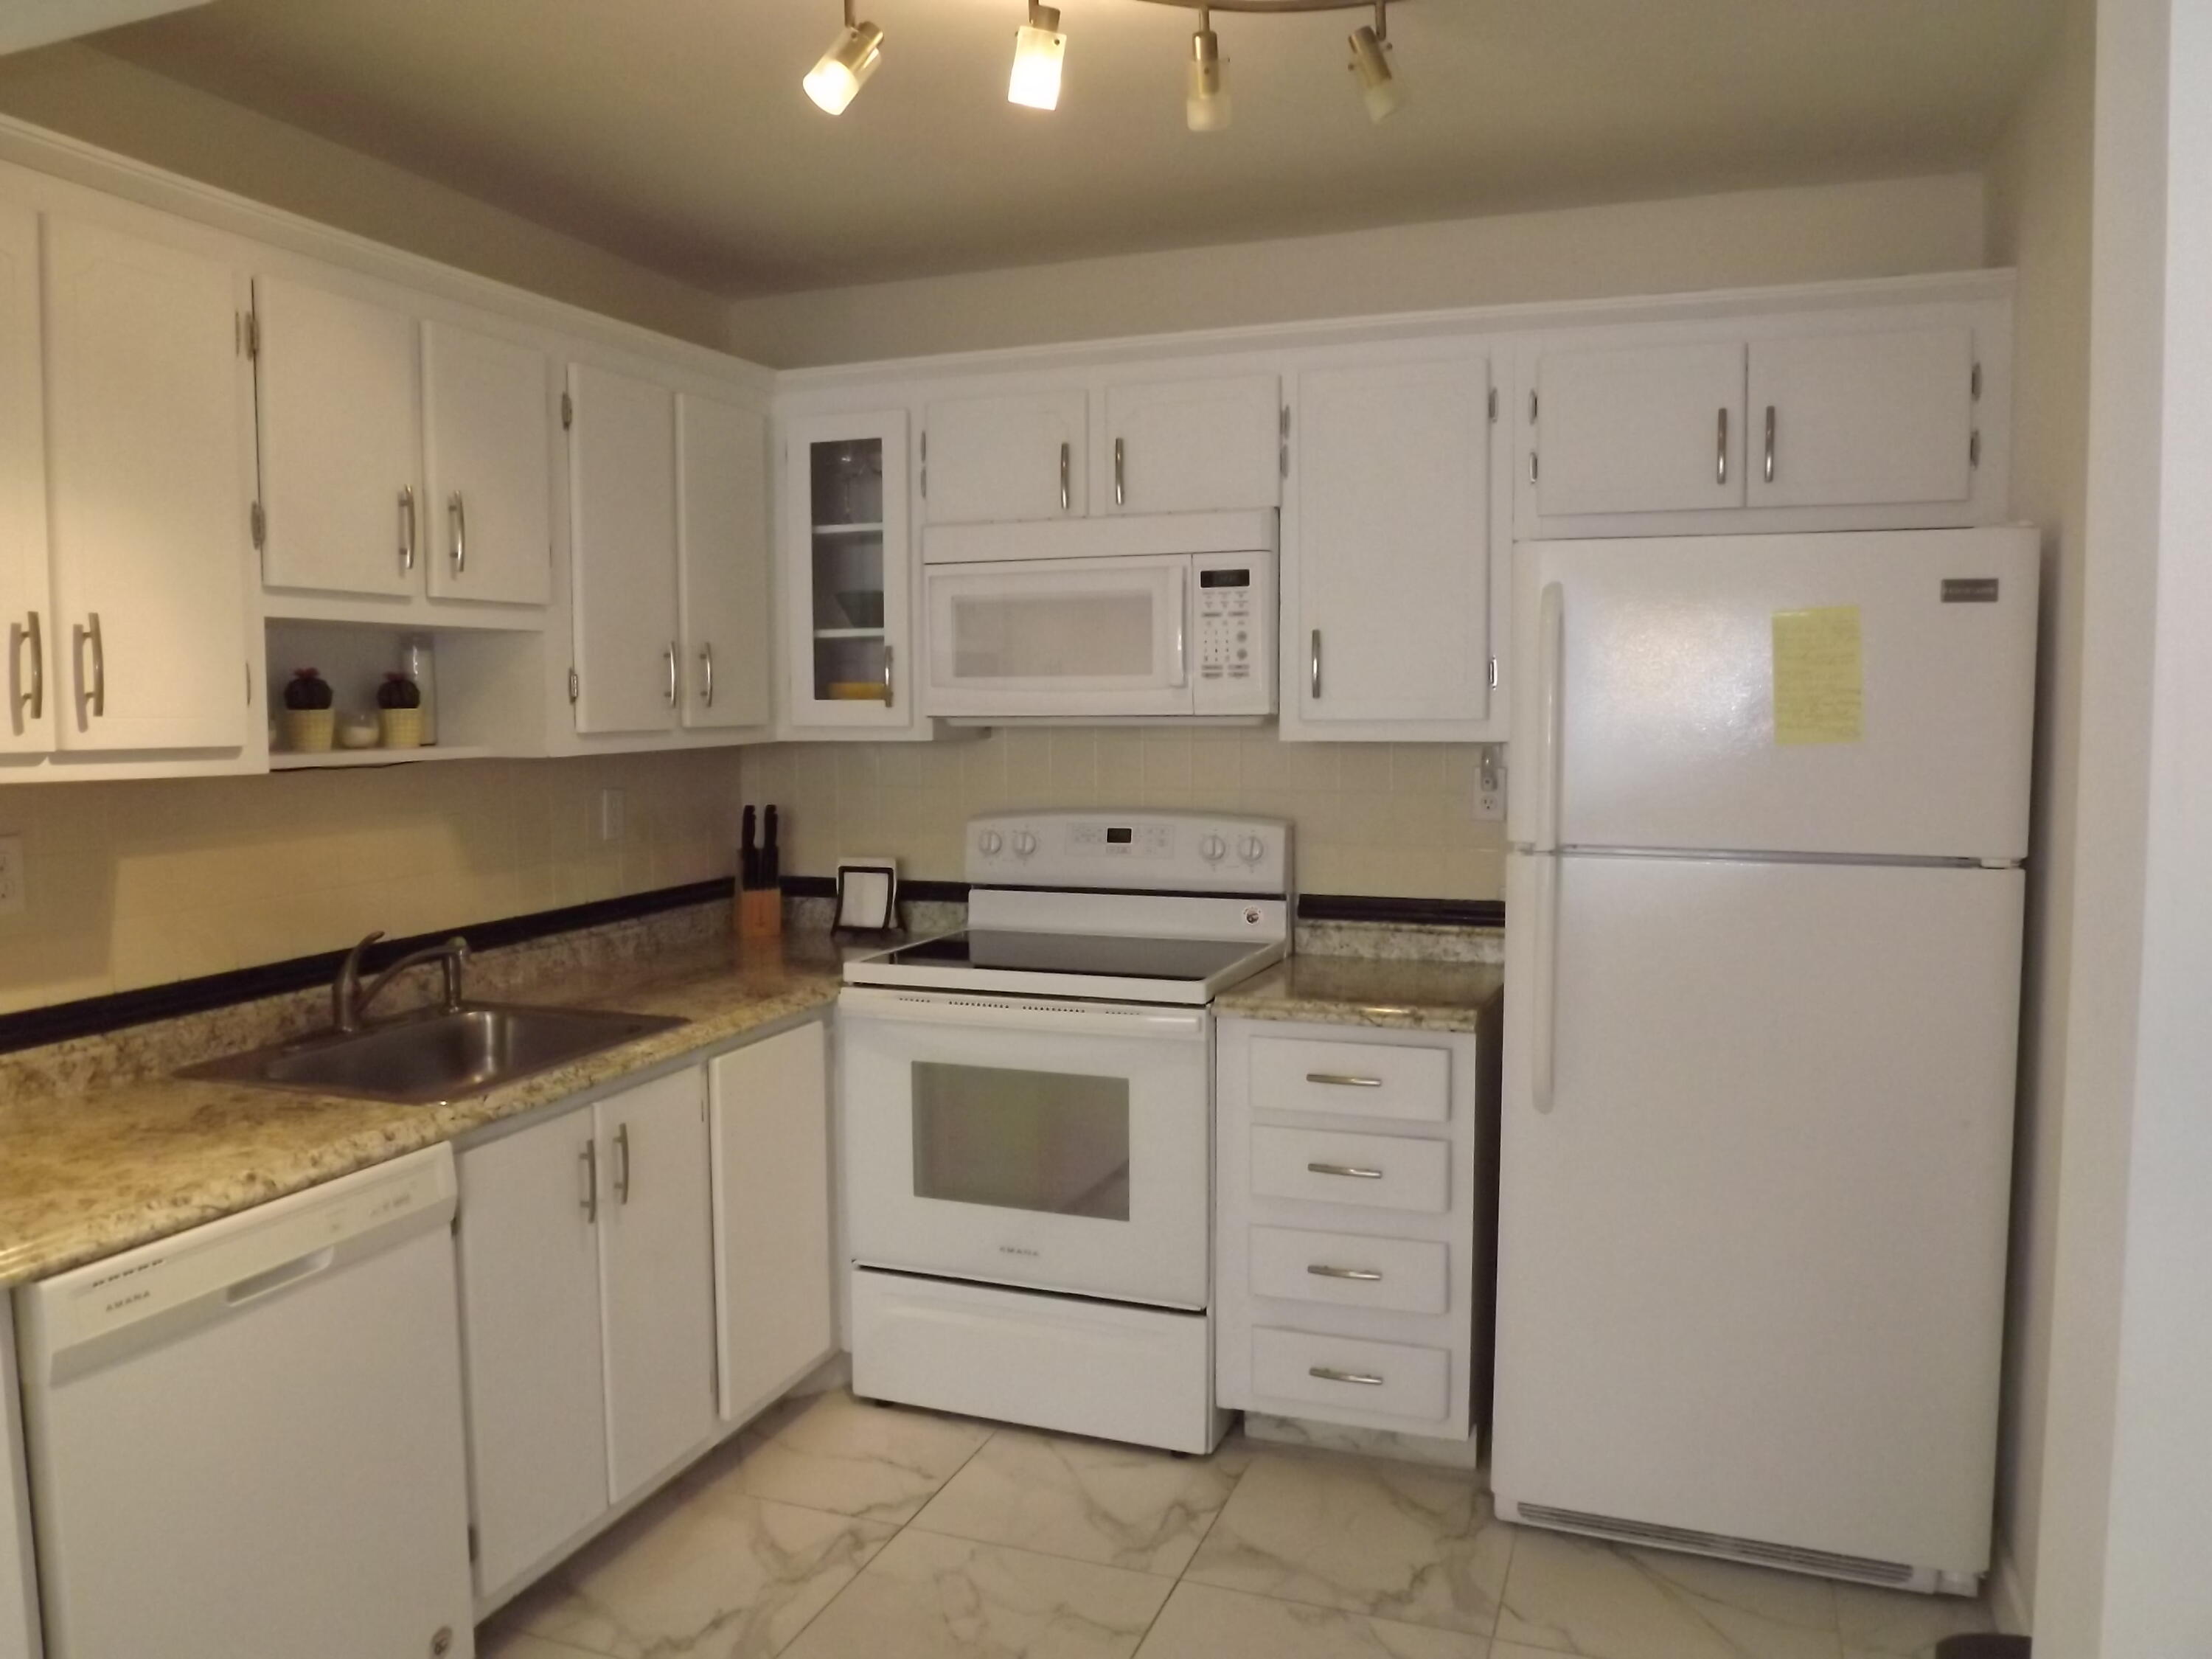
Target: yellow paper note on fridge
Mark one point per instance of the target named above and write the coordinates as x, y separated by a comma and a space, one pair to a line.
1820, 676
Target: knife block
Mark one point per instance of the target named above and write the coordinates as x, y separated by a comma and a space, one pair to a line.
760, 913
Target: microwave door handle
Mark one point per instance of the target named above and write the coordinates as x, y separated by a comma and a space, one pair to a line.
1185, 588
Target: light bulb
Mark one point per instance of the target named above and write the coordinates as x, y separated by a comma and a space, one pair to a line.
1205, 108
1038, 48
836, 80
1376, 84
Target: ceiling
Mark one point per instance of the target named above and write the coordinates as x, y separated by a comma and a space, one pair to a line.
675, 131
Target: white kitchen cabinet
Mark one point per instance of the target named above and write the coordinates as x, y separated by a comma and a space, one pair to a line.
1194, 446
341, 467
722, 541
774, 1278
149, 477
1848, 419
1005, 458
1387, 557
621, 483
486, 434
27, 679
1639, 428
528, 1256
848, 571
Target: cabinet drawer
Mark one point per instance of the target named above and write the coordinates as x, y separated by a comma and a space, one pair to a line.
1388, 1379
1347, 1270
1380, 1172
1350, 1079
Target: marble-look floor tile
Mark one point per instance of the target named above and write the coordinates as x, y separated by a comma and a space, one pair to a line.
706, 1575
507, 1643
926, 1597
1580, 1597
1389, 1540
1886, 1623
1093, 1500
1202, 1622
877, 1462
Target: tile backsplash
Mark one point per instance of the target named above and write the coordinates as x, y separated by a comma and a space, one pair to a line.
132, 884
1386, 819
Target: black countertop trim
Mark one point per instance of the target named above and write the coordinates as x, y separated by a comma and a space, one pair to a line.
1403, 912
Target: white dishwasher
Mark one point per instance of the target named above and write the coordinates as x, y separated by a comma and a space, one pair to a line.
245, 1440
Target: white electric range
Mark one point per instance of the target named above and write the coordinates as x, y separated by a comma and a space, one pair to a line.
1028, 1123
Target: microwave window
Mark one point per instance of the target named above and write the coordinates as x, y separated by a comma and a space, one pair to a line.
1053, 1141
1081, 636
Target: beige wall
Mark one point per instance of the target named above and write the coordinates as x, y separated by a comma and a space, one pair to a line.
1374, 818
132, 884
2039, 199
73, 89
1812, 234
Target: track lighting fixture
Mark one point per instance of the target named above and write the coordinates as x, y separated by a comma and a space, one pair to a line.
1038, 47
1371, 62
837, 78
1205, 106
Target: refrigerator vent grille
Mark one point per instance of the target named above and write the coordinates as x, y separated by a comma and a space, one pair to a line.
1709, 1543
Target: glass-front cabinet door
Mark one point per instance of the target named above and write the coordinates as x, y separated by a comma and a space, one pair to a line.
846, 562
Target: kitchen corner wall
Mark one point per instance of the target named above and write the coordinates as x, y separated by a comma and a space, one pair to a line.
1392, 819
134, 885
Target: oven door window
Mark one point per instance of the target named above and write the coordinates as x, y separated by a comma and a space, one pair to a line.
1052, 1142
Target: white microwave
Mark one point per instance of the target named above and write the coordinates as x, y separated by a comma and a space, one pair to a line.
1101, 619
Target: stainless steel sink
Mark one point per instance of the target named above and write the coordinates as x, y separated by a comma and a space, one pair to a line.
437, 1055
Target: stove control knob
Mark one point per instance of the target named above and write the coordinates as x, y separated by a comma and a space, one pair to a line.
1251, 848
989, 842
1213, 848
1024, 843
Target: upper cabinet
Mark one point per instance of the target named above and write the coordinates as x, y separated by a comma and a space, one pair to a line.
1638, 428
622, 518
1195, 446
1005, 459
722, 563
487, 440
848, 571
27, 681
1850, 420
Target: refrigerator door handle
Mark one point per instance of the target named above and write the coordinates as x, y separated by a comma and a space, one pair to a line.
1552, 617
1544, 1041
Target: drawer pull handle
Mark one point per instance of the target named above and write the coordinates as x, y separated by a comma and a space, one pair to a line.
1330, 1374
1364, 1275
1344, 1080
1351, 1170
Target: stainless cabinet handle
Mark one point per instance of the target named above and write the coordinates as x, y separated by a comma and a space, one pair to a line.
1330, 1374
407, 528
621, 1164
706, 673
887, 674
458, 510
1313, 667
34, 699
671, 654
97, 695
1351, 1170
589, 1157
1720, 451
1363, 1275
1121, 473
1063, 477
1770, 443
1344, 1080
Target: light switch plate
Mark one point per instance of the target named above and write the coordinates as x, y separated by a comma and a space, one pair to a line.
11, 875
610, 814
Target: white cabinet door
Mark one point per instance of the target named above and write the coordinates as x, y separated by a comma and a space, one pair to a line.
656, 1278
1652, 428
149, 469
622, 482
721, 532
340, 443
995, 460
848, 571
530, 1328
774, 1285
1850, 419
1193, 446
27, 681
488, 506
1387, 547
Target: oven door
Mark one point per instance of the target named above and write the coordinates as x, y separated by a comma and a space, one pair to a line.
1058, 636
1065, 1146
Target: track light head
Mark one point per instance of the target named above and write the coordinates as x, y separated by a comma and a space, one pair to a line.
1206, 104
1371, 62
838, 78
1038, 48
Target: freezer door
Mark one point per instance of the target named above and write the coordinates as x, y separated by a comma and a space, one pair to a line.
1751, 1258
1853, 693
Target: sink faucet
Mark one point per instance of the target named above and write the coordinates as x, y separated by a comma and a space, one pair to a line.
349, 1002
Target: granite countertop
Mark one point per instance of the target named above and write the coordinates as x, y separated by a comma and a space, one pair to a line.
85, 1176
1400, 995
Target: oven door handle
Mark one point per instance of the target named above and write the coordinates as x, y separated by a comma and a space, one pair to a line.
979, 1013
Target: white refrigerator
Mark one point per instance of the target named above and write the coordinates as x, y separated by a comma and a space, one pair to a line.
1763, 942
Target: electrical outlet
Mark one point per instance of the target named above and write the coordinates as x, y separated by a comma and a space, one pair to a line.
1490, 784
610, 814
11, 875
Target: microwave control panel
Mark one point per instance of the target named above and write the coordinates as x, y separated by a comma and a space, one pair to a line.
1234, 605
